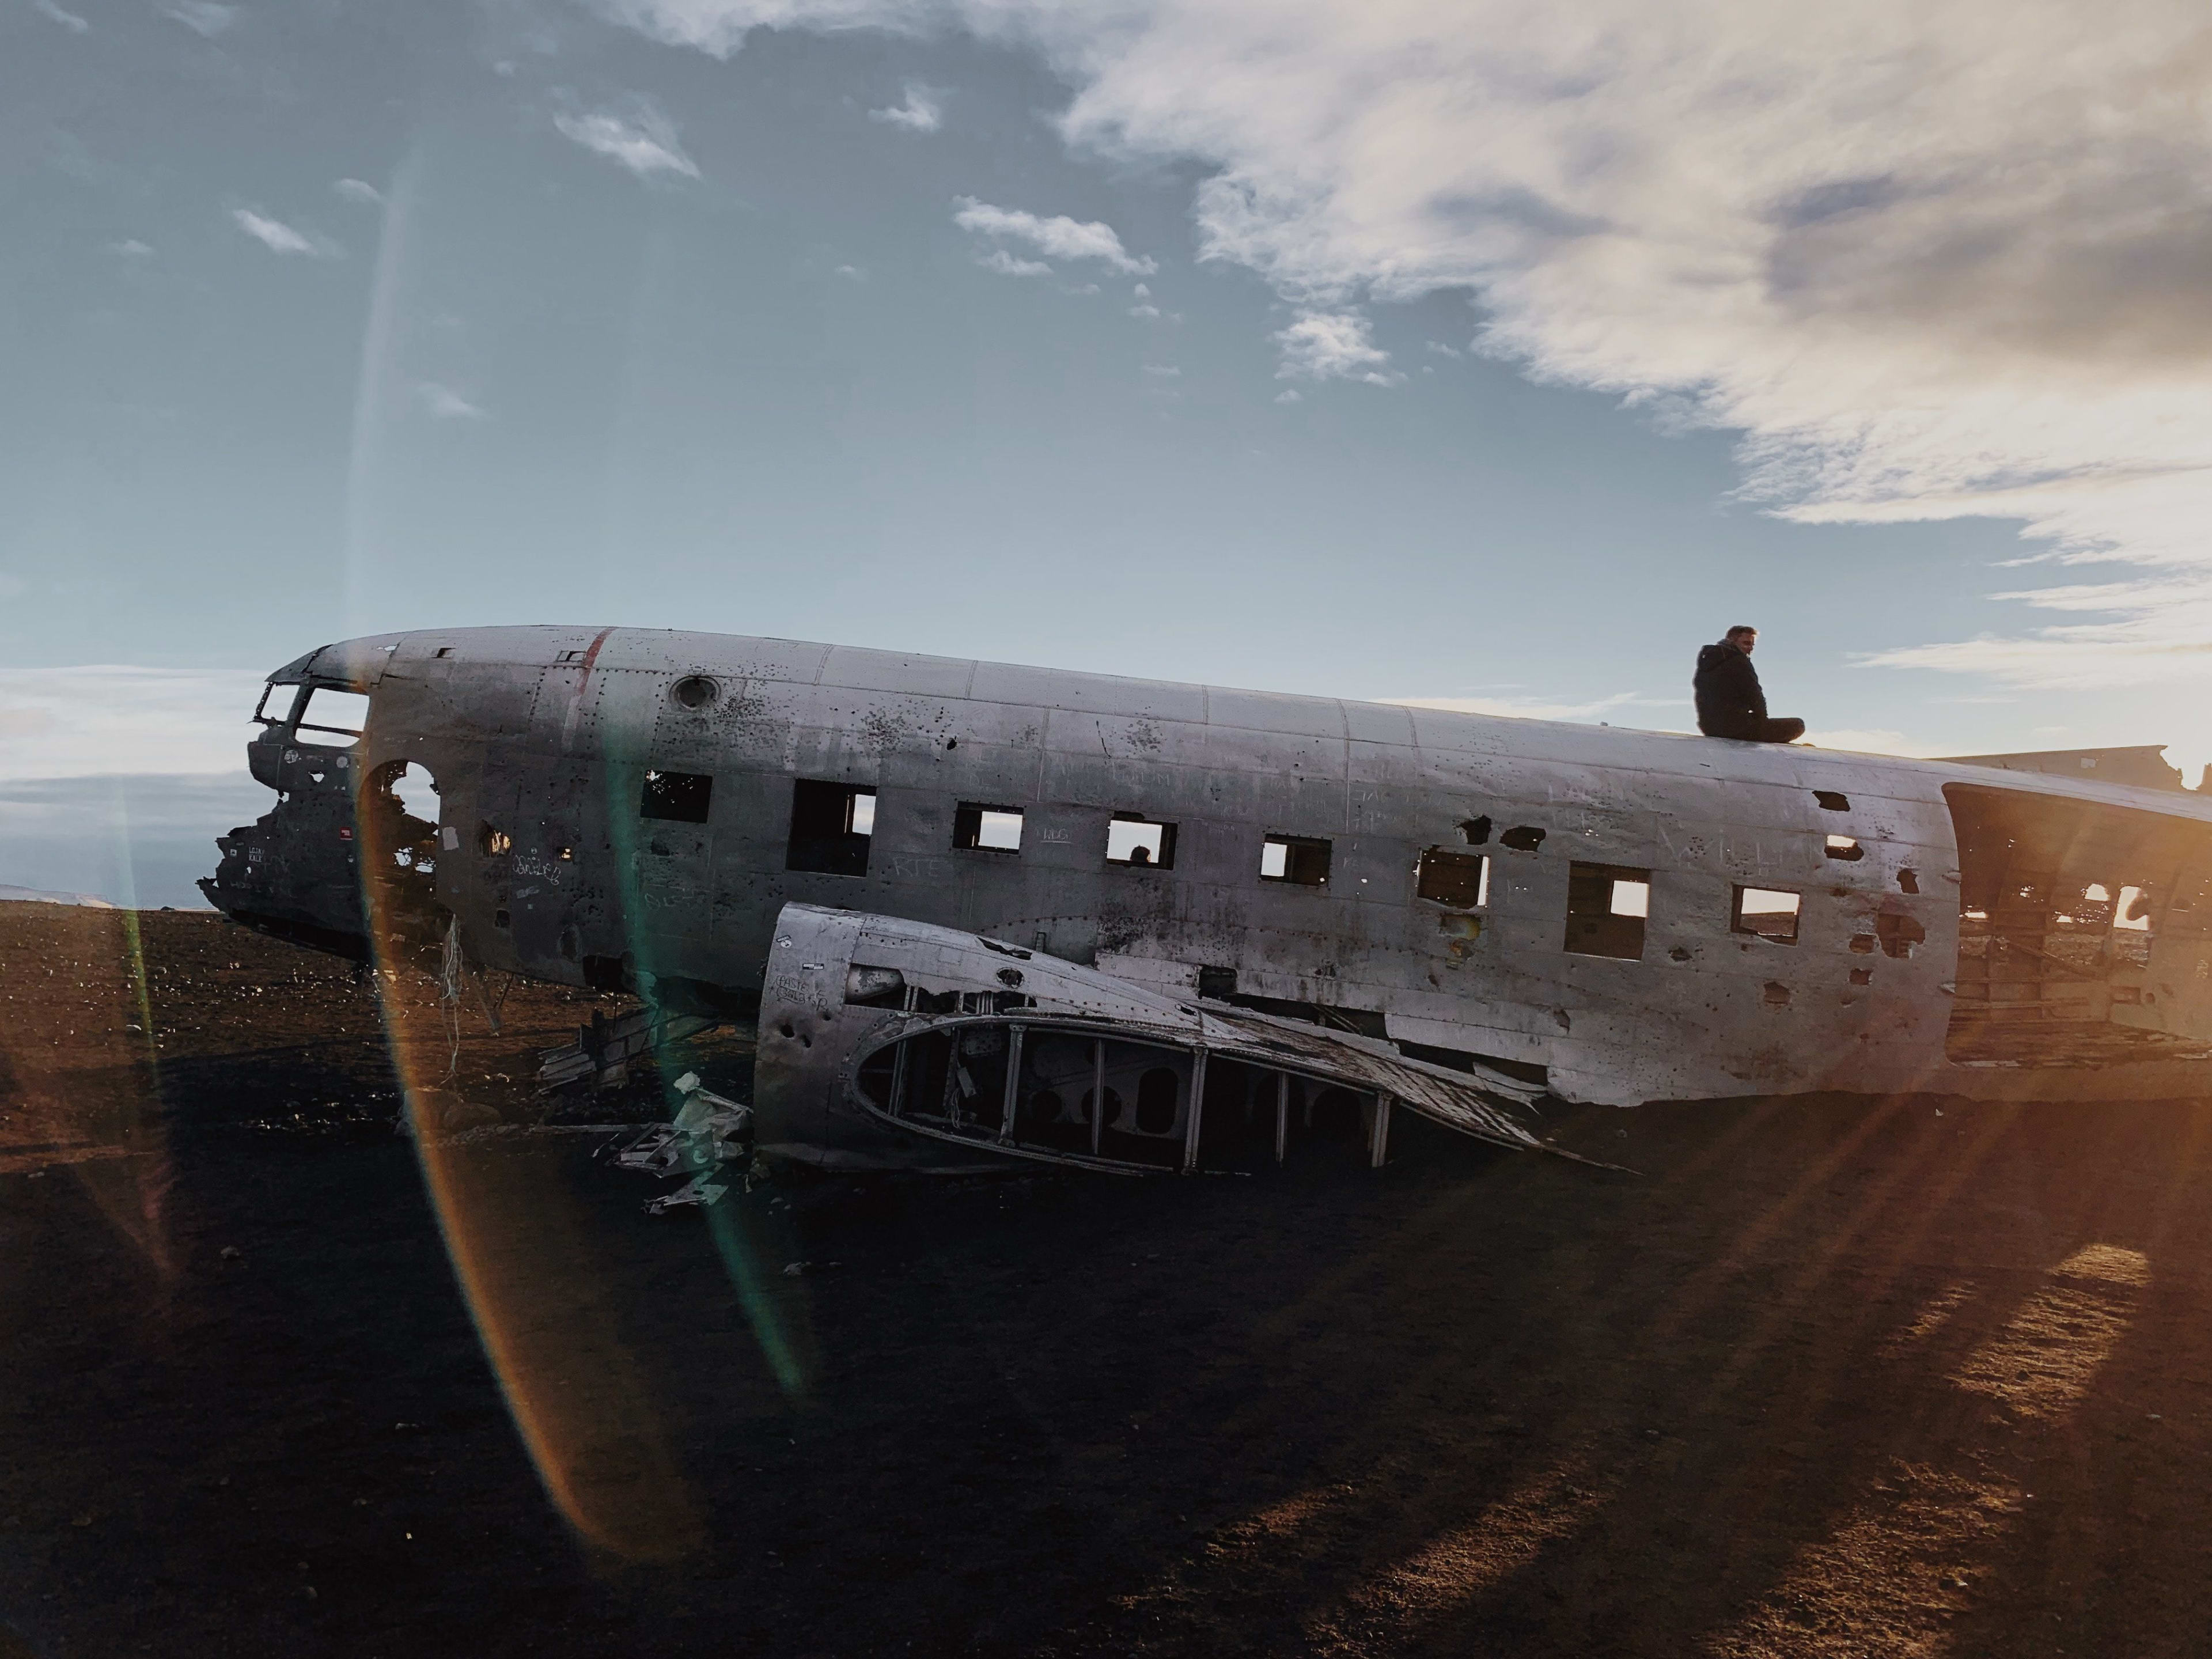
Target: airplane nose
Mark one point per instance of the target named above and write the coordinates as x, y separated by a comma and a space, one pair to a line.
295, 870
335, 849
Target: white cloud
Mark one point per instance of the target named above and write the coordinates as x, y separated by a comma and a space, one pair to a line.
1443, 350
131, 248
1932, 261
852, 273
359, 190
1056, 238
1145, 311
444, 403
1332, 345
1165, 371
1007, 265
278, 237
922, 111
1290, 394
68, 20
644, 141
87, 722
202, 17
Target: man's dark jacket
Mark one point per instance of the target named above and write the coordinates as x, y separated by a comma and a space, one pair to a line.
1730, 702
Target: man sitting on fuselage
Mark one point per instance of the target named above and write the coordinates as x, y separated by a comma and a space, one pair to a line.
1731, 703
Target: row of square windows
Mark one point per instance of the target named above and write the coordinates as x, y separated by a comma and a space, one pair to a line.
833, 828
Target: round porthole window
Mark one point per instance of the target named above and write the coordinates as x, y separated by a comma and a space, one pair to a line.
695, 691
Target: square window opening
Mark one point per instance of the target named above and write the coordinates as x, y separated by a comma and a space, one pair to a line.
677, 797
1139, 842
1767, 913
1608, 905
832, 827
1460, 880
1302, 860
981, 829
332, 719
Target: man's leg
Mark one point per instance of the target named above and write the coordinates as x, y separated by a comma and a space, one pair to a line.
1780, 731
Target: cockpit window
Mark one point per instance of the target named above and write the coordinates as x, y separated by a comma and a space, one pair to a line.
276, 704
333, 719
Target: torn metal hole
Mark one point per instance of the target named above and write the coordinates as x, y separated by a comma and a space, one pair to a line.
1862, 975
1833, 800
1897, 935
1908, 881
1522, 838
1474, 831
1843, 846
1775, 995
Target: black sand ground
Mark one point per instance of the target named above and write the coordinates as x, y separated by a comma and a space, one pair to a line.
1829, 1377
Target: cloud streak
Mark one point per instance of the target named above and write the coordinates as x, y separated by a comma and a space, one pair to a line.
1930, 262
278, 237
644, 141
202, 17
922, 111
442, 403
1057, 238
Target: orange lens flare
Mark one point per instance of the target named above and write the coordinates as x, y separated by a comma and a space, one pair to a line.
544, 1307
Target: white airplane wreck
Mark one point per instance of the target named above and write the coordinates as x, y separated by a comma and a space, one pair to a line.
980, 912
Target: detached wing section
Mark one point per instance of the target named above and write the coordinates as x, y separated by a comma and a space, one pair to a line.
878, 1032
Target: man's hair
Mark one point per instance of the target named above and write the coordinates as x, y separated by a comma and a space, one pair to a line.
1740, 627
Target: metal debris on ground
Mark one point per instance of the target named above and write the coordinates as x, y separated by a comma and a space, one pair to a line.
708, 1131
697, 1190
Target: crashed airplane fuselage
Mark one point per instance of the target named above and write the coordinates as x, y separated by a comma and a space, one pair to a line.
1070, 915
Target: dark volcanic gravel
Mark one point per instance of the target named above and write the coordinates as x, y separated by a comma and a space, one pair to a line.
1829, 1377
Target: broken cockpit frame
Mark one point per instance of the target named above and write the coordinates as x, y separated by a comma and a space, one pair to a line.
877, 1030
341, 843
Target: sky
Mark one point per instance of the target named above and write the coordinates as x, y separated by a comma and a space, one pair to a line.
1490, 353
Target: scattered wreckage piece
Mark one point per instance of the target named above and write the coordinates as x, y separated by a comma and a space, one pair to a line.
697, 1190
873, 1024
707, 1133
